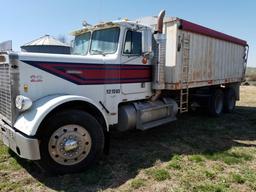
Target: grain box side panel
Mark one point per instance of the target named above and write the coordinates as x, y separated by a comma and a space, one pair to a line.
212, 61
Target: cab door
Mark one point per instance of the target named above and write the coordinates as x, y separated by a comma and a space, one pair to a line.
135, 73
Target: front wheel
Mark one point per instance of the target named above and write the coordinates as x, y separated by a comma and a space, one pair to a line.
71, 142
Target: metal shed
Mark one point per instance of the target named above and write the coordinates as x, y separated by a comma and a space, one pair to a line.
46, 44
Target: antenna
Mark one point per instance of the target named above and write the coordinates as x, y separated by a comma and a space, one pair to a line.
85, 24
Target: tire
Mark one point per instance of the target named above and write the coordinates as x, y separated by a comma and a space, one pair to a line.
72, 141
215, 105
229, 100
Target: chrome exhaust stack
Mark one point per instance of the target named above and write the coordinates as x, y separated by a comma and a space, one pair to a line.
160, 21
159, 51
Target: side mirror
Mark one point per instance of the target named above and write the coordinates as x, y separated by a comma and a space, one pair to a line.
146, 41
148, 55
72, 46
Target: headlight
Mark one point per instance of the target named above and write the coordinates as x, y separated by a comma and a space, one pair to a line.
23, 103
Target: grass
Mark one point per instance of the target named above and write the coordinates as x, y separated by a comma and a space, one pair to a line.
230, 157
210, 187
175, 163
196, 158
238, 178
137, 183
210, 174
195, 153
159, 174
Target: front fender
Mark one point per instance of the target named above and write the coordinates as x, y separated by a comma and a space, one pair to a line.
29, 121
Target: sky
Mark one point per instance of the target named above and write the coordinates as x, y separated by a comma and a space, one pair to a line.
24, 21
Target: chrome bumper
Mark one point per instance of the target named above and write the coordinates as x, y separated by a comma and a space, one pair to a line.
23, 146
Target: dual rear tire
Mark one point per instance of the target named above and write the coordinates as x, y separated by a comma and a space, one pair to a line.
221, 101
229, 100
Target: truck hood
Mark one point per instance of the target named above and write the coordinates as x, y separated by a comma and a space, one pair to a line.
45, 57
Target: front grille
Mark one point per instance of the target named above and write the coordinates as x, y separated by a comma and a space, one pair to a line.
9, 88
5, 92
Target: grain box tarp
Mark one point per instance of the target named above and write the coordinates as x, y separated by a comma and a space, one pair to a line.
212, 60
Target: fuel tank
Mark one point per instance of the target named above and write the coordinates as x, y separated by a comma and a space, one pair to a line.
146, 114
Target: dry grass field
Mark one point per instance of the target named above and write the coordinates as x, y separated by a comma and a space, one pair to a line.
195, 153
251, 75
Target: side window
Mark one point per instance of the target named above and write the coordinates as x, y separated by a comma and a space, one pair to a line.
133, 43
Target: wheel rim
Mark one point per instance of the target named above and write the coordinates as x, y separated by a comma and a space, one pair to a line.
70, 144
218, 104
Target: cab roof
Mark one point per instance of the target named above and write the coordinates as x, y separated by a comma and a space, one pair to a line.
105, 25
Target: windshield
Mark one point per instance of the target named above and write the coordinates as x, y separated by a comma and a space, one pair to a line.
105, 41
81, 44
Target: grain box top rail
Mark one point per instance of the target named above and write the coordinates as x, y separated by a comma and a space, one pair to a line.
195, 28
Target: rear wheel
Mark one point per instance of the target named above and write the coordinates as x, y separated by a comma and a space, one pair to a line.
229, 100
215, 105
72, 141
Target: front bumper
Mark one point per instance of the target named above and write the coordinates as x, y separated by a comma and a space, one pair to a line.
23, 146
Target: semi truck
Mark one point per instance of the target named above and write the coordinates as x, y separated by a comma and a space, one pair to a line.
58, 110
